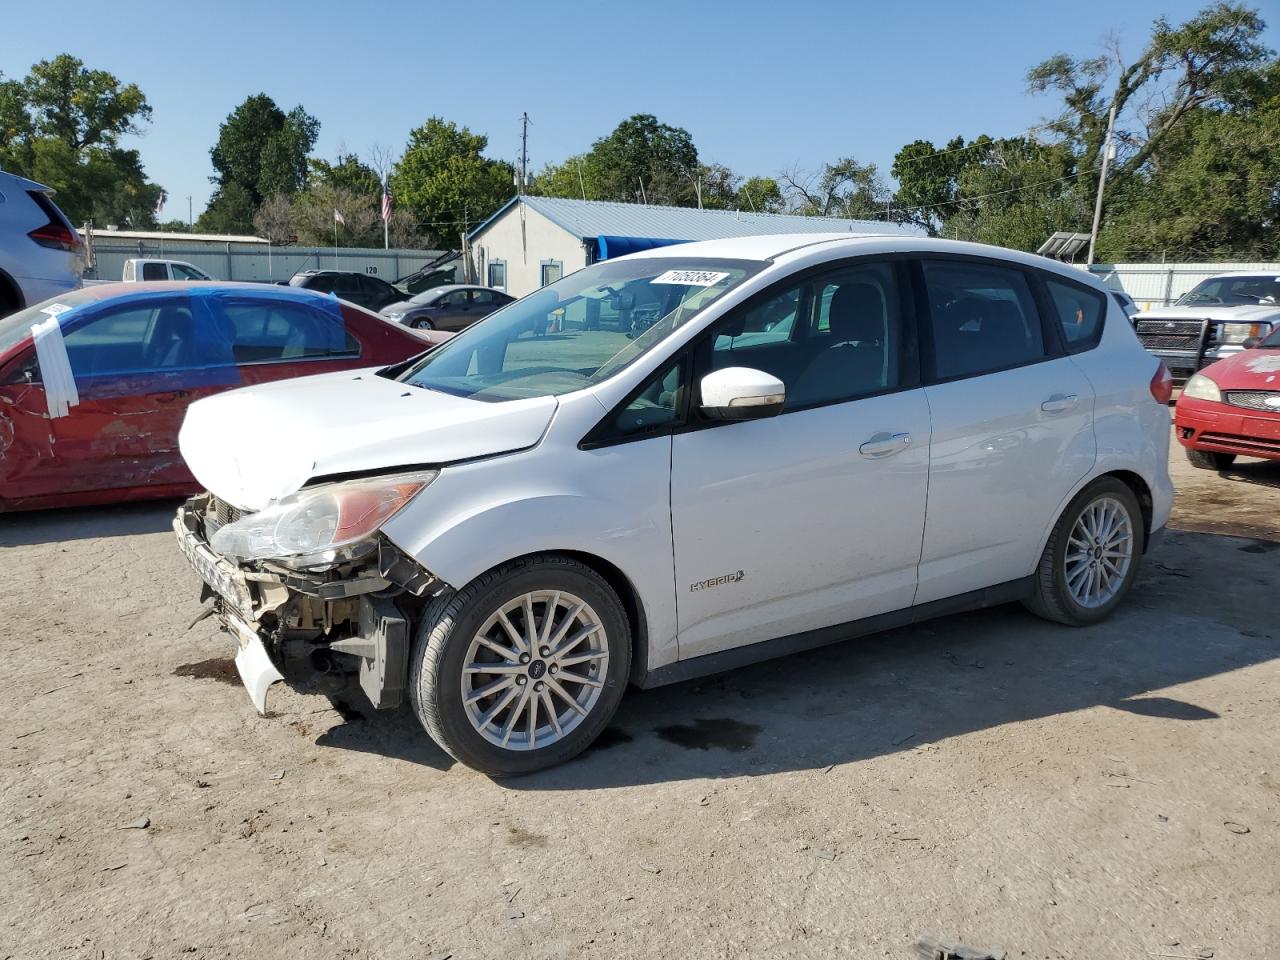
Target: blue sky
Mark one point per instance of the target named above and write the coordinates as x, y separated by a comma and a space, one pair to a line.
761, 86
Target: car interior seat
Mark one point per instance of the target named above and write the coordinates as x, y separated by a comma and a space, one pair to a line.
170, 341
853, 358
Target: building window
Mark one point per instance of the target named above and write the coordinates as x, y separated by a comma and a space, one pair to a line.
498, 274
552, 270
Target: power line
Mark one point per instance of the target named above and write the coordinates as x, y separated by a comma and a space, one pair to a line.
995, 140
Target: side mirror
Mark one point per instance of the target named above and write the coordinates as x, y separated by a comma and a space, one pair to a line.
740, 393
1251, 342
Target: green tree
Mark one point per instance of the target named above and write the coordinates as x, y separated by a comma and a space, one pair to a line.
845, 188
645, 160
263, 149
445, 181
760, 195
62, 125
348, 171
230, 210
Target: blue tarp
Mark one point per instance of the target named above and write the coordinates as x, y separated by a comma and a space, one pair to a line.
607, 248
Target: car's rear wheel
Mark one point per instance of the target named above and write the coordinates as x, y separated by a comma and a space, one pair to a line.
1092, 556
1210, 459
422, 323
522, 668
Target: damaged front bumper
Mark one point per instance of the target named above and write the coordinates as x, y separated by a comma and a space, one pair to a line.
327, 632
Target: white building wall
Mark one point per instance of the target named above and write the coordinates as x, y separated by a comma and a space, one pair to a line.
525, 251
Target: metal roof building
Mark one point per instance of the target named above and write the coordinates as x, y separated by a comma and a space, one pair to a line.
533, 241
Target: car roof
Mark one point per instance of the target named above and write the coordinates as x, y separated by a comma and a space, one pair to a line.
1244, 273
780, 248
106, 291
450, 287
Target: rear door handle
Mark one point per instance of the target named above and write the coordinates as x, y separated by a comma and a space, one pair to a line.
885, 445
1060, 403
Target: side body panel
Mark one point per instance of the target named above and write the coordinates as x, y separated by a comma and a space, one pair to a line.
819, 533
1000, 465
611, 503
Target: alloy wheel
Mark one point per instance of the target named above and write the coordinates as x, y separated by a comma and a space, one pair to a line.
1099, 552
534, 670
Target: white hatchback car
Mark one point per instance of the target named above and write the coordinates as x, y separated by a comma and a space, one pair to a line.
816, 437
41, 254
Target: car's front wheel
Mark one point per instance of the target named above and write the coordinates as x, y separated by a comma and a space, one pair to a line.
523, 667
422, 323
1210, 459
1092, 556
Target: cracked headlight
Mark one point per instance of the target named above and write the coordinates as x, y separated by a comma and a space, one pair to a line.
320, 526
1200, 387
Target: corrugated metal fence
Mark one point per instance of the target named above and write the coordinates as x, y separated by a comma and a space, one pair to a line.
1160, 284
258, 261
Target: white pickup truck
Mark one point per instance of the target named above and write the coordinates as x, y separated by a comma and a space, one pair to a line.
140, 270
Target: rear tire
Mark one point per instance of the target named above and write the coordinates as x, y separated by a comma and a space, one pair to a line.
530, 682
1092, 557
1210, 459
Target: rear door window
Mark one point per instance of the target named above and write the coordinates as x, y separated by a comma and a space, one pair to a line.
983, 318
1080, 313
155, 271
266, 331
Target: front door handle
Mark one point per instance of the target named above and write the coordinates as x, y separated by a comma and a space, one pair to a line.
885, 445
1060, 403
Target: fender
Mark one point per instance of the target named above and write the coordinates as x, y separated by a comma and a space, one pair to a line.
475, 517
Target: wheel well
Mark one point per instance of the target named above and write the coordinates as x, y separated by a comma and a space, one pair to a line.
10, 295
1143, 493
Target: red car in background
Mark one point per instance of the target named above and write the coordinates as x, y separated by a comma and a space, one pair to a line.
94, 383
1232, 408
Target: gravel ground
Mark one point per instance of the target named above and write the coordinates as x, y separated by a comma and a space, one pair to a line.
989, 778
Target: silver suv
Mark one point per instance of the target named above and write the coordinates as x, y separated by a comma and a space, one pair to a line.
41, 254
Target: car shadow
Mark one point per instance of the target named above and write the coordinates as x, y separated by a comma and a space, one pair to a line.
86, 523
1265, 473
922, 684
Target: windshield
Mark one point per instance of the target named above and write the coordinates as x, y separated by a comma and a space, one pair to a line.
578, 330
17, 326
1234, 292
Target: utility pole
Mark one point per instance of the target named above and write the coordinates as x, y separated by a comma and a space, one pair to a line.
524, 154
1102, 182
190, 222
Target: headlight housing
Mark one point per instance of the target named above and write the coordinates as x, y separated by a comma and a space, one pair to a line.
1200, 387
394, 314
323, 525
1238, 332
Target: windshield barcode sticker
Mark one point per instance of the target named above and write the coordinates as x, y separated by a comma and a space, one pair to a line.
691, 278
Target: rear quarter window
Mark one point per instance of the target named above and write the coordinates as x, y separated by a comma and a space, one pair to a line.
1080, 313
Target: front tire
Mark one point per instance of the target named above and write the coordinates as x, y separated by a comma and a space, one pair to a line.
1210, 459
523, 667
423, 324
1091, 559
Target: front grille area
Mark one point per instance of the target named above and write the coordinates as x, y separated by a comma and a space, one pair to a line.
1254, 399
1169, 334
1247, 445
219, 514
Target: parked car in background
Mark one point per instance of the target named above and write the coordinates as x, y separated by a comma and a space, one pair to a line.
450, 307
1232, 408
94, 384
818, 437
41, 254
1212, 321
358, 288
138, 270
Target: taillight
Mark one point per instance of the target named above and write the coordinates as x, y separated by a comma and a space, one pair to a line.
57, 234
56, 237
1162, 385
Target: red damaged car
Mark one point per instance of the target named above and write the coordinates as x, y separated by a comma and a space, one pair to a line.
94, 383
1232, 408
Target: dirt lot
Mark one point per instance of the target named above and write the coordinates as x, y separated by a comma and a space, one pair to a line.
1109, 792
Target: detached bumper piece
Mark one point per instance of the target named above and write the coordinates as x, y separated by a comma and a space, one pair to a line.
331, 632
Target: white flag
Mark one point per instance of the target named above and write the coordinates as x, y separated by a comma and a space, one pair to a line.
337, 217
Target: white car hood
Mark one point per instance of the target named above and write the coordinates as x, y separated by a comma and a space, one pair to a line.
1210, 311
257, 444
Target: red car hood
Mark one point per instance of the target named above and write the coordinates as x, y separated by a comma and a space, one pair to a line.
1247, 370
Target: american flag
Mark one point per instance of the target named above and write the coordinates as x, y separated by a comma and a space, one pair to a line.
386, 201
